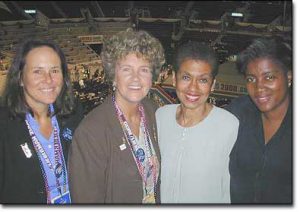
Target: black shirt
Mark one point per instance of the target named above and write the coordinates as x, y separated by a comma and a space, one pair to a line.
260, 173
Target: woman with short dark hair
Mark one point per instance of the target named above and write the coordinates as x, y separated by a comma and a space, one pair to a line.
261, 160
195, 137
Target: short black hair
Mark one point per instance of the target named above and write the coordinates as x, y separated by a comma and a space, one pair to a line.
197, 51
14, 94
274, 48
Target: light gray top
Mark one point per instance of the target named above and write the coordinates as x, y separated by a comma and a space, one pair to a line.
195, 160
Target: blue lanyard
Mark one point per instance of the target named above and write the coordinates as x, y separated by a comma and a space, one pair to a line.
57, 168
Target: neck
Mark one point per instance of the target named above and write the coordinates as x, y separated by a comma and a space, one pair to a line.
131, 113
130, 110
40, 113
187, 117
43, 119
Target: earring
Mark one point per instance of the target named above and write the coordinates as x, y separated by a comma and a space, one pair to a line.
114, 86
290, 83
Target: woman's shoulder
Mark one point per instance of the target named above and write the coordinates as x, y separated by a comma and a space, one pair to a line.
167, 108
225, 116
99, 115
149, 104
9, 122
5, 114
241, 106
166, 112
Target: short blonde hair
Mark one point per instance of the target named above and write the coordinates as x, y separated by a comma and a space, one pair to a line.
129, 41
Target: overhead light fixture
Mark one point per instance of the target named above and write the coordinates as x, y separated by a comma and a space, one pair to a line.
235, 14
30, 11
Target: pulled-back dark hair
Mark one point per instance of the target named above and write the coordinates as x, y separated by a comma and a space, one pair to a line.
14, 94
195, 50
276, 49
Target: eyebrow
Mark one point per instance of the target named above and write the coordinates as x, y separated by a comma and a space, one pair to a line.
201, 75
44, 67
265, 72
145, 66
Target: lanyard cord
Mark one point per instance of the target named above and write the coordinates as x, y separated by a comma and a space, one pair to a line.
58, 169
132, 142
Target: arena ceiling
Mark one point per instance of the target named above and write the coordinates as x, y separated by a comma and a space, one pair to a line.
176, 21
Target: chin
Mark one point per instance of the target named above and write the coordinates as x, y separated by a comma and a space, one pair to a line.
49, 101
136, 99
190, 105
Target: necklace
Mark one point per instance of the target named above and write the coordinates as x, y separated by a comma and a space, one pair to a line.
194, 118
145, 161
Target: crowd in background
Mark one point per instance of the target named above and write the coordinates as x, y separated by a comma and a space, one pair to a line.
120, 143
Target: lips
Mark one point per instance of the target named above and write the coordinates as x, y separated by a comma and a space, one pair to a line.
262, 99
47, 90
135, 87
192, 98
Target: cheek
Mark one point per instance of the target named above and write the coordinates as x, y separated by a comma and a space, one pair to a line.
119, 79
206, 90
249, 87
181, 85
29, 82
60, 80
148, 82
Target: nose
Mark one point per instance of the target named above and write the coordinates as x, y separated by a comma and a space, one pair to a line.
135, 75
260, 84
48, 77
193, 85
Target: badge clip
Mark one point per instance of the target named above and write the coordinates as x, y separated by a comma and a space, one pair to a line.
26, 150
122, 147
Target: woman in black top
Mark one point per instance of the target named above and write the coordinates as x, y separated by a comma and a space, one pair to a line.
261, 160
36, 125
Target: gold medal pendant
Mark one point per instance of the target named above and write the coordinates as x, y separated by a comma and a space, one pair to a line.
149, 199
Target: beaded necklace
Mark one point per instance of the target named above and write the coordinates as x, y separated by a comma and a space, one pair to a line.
153, 169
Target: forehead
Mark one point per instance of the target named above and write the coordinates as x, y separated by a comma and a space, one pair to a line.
43, 53
133, 59
195, 67
263, 65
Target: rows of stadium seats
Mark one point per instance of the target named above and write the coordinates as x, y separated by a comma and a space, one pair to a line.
75, 50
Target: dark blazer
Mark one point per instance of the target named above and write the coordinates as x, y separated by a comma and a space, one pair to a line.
21, 179
99, 171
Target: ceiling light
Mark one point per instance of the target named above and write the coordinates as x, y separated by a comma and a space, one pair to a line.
235, 14
30, 11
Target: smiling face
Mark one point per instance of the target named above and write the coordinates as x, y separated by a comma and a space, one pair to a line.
133, 79
194, 83
267, 84
42, 78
